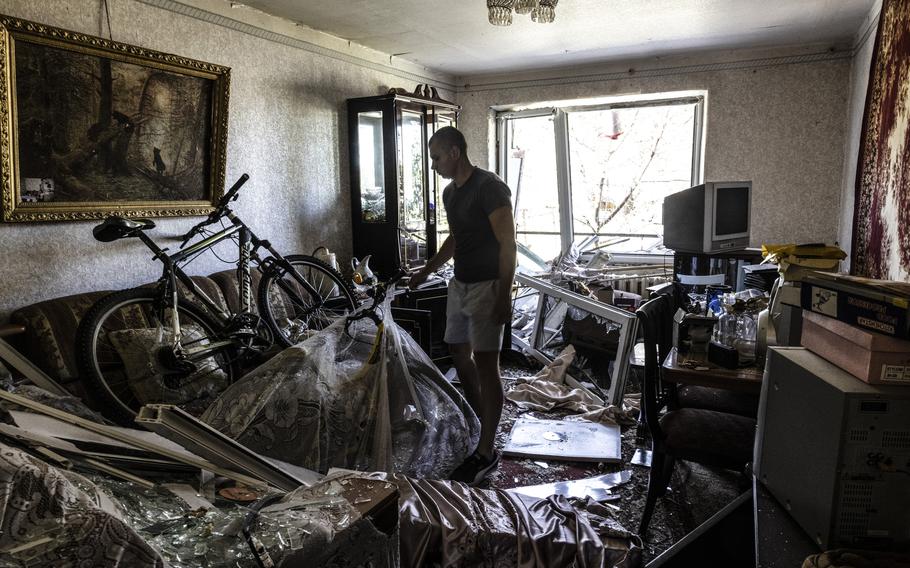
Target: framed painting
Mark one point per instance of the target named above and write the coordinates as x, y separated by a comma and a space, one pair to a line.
881, 222
91, 127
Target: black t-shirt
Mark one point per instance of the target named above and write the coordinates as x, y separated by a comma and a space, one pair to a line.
468, 209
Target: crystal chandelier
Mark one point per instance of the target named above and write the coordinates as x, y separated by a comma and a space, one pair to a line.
525, 6
500, 11
545, 12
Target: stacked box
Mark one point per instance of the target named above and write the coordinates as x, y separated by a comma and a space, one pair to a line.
869, 356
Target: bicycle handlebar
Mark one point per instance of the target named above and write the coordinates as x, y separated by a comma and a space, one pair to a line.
230, 195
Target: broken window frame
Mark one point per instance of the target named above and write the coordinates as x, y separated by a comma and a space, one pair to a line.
627, 321
561, 113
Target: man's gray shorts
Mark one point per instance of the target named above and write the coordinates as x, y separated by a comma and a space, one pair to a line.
469, 315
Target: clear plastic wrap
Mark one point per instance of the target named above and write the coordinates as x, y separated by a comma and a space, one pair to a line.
365, 398
54, 517
47, 519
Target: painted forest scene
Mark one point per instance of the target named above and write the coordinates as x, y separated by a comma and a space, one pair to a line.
94, 129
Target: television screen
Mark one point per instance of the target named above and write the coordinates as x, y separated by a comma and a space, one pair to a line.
731, 211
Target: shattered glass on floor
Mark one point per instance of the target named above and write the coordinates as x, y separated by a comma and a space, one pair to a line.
695, 494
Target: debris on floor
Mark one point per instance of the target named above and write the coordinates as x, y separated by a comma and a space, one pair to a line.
597, 488
146, 499
554, 389
564, 440
143, 500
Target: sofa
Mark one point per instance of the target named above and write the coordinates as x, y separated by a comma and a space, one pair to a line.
49, 339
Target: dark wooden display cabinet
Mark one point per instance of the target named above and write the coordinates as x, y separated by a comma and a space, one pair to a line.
431, 302
394, 193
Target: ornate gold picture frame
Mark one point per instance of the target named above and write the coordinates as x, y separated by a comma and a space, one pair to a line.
91, 127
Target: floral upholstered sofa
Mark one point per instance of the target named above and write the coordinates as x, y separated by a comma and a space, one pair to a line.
49, 340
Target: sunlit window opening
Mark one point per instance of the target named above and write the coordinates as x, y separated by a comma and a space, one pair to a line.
595, 175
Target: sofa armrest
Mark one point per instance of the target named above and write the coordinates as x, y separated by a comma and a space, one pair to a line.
49, 339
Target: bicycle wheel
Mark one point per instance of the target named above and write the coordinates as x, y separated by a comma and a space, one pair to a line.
293, 312
124, 348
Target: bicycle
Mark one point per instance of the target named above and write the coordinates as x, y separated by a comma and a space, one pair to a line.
154, 345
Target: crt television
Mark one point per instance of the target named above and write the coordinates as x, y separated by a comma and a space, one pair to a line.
711, 217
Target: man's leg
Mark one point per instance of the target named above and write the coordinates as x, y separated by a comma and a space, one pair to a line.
486, 364
474, 342
467, 374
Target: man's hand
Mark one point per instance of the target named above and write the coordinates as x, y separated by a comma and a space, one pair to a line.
418, 278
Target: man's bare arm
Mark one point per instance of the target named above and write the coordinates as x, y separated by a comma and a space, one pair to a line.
441, 257
503, 225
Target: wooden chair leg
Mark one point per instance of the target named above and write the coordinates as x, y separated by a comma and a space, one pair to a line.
668, 463
654, 484
661, 472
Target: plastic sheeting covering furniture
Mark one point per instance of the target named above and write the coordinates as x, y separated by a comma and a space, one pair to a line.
55, 518
364, 398
46, 519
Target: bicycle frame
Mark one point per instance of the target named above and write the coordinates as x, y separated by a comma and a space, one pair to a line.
249, 247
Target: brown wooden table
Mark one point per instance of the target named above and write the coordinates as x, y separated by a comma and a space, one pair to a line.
695, 369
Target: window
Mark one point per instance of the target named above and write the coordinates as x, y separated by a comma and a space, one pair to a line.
596, 174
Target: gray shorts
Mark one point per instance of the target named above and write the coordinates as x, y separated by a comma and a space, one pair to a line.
469, 313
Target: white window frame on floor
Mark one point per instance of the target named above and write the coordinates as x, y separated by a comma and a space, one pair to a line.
561, 112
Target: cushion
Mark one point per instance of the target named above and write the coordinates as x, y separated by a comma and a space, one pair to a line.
138, 349
721, 400
50, 332
708, 436
226, 281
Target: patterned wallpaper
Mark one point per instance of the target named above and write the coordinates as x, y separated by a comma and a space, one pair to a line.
287, 129
778, 121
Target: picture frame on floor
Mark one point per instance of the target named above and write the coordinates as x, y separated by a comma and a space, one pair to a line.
91, 127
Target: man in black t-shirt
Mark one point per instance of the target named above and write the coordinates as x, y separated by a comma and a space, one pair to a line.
482, 243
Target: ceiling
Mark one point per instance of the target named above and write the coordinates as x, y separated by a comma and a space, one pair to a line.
453, 36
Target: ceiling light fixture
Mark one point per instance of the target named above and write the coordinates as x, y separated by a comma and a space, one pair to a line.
525, 6
545, 12
541, 11
500, 12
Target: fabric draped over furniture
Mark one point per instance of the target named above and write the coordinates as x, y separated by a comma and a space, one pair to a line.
446, 523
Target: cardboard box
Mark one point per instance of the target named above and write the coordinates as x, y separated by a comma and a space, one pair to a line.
877, 305
869, 356
790, 294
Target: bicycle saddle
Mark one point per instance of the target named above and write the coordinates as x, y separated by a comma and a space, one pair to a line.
114, 228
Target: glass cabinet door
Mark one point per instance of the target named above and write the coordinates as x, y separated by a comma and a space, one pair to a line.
372, 169
394, 192
412, 213
440, 119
